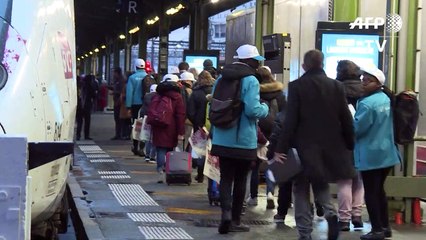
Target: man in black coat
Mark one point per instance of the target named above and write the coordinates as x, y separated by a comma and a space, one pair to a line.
319, 125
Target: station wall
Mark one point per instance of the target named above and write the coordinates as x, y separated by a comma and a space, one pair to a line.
289, 17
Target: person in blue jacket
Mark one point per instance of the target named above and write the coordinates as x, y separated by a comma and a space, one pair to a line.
375, 150
134, 98
236, 147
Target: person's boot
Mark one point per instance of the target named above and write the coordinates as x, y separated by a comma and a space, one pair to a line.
357, 222
200, 176
225, 224
388, 232
344, 226
333, 228
237, 226
373, 236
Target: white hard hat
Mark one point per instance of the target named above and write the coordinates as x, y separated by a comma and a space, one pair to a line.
170, 78
187, 76
139, 63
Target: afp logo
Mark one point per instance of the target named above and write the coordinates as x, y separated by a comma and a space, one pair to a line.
393, 22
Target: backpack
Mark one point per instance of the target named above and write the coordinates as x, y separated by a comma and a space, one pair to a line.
160, 111
147, 82
405, 116
226, 105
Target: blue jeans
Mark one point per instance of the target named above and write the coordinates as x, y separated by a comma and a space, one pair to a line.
161, 158
150, 151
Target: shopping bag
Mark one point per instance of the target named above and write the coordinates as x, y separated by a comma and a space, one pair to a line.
145, 135
198, 141
283, 172
137, 129
262, 151
211, 166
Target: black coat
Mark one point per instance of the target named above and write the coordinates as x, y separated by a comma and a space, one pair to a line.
354, 91
319, 125
197, 106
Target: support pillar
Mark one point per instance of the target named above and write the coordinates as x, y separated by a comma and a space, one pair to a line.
142, 41
116, 52
199, 26
164, 24
108, 64
100, 71
345, 10
259, 25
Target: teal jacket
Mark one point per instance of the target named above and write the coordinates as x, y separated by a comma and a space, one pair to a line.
374, 145
134, 88
243, 136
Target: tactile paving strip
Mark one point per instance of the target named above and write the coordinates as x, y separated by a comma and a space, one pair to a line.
102, 160
150, 217
164, 233
89, 148
111, 172
115, 177
97, 155
131, 195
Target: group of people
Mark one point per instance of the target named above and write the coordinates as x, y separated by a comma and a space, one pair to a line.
355, 150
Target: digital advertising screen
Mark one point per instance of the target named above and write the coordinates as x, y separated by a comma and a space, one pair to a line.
197, 61
359, 48
196, 58
338, 42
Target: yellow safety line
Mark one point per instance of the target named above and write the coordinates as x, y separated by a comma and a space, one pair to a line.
191, 211
143, 172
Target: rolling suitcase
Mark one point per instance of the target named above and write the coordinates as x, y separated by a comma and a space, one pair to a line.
178, 168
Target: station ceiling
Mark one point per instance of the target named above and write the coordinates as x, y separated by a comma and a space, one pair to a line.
101, 21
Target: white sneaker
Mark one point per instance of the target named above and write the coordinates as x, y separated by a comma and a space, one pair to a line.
161, 177
252, 202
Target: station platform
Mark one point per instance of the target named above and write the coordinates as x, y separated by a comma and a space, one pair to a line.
117, 197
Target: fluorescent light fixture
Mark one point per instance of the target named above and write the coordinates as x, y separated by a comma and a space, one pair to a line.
152, 21
175, 10
134, 30
90, 52
103, 46
122, 36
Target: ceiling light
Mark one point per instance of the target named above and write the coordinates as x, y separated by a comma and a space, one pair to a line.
96, 50
214, 1
152, 21
122, 36
134, 30
90, 52
103, 46
78, 59
175, 10
86, 55
82, 57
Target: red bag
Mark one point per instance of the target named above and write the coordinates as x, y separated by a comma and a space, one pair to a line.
160, 112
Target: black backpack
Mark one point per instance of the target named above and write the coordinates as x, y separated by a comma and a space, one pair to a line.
405, 117
226, 105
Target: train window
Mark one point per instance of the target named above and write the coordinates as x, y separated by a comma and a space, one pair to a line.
3, 76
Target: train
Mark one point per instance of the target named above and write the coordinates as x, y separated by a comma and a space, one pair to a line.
38, 96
